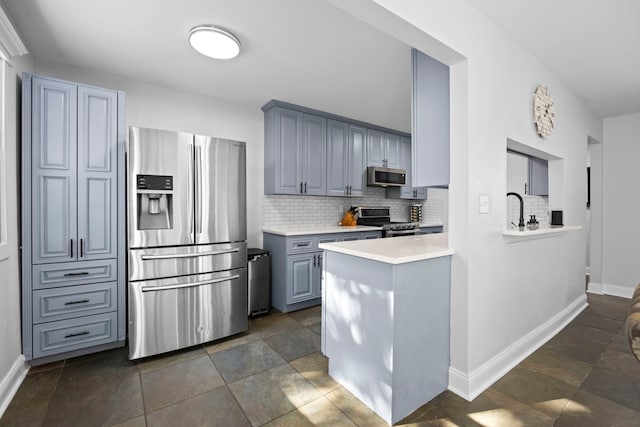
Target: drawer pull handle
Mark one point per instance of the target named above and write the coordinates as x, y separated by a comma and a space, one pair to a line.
77, 334
81, 273
189, 285
302, 245
193, 255
82, 301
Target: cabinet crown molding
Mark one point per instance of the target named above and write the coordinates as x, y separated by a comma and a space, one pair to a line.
10, 42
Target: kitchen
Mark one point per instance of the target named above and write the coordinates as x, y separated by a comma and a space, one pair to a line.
153, 105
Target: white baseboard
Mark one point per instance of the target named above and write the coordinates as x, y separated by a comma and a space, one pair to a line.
469, 386
11, 382
609, 289
595, 288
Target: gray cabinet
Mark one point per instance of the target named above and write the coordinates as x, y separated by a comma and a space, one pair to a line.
295, 152
345, 159
431, 229
430, 121
297, 266
527, 174
383, 149
406, 191
73, 248
310, 152
538, 177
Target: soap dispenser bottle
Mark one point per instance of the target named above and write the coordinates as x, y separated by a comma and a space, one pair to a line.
532, 224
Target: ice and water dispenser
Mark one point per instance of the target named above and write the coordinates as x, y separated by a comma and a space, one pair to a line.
155, 202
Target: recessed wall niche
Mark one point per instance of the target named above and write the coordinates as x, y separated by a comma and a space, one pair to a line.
533, 174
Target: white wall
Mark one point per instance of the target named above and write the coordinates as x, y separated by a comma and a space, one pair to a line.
11, 361
621, 207
501, 292
159, 107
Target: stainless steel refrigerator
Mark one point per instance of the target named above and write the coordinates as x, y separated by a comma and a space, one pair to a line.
187, 240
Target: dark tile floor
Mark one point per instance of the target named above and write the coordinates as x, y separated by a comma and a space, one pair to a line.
274, 375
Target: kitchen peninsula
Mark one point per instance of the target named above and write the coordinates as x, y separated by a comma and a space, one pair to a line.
385, 320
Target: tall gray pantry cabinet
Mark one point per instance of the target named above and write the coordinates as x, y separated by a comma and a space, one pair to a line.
73, 225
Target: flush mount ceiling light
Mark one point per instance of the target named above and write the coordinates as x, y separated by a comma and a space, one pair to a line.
214, 42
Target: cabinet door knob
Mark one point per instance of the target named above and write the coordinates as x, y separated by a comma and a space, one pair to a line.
71, 246
300, 187
305, 188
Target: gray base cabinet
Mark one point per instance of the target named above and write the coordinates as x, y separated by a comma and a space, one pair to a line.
297, 265
73, 245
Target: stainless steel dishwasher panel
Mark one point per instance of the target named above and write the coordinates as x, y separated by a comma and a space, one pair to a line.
179, 312
156, 263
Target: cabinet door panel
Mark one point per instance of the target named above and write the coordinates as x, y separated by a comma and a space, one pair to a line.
97, 174
54, 171
337, 137
314, 151
392, 145
357, 161
375, 151
405, 163
430, 121
301, 269
289, 158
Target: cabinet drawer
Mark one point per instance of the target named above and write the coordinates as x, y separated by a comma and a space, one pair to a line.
306, 244
299, 245
73, 334
73, 301
73, 273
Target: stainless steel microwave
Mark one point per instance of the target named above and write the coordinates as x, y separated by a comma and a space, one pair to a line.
386, 177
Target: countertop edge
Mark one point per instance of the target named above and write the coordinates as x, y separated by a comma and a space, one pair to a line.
388, 260
430, 247
516, 235
319, 230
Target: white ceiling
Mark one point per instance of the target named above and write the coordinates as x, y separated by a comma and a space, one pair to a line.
309, 52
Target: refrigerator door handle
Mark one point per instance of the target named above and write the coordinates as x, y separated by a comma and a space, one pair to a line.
190, 199
198, 201
188, 285
192, 255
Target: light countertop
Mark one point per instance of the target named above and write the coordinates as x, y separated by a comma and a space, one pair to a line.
395, 250
431, 224
301, 230
543, 231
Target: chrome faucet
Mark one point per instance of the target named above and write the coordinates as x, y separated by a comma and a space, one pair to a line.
521, 221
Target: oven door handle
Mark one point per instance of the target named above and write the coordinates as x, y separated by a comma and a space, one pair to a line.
188, 285
406, 232
193, 255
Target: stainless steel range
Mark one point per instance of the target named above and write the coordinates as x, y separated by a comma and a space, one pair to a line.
187, 240
380, 216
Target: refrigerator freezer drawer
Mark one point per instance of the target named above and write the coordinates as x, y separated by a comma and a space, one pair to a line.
169, 314
145, 264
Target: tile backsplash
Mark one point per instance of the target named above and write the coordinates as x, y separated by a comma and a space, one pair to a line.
533, 205
280, 210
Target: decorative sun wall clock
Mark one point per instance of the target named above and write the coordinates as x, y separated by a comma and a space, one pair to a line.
543, 114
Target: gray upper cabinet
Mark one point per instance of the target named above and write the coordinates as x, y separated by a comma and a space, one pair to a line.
407, 191
345, 159
73, 243
538, 177
295, 153
314, 149
430, 118
74, 168
97, 173
54, 171
383, 149
310, 152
